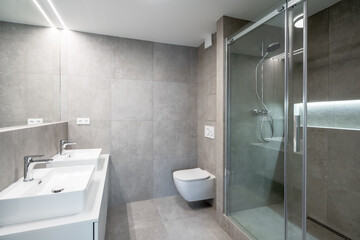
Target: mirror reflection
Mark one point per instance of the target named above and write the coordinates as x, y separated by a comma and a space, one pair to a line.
29, 66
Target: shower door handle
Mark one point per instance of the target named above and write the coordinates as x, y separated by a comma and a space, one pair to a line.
296, 133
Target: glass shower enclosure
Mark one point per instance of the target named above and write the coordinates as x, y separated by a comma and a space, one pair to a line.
265, 185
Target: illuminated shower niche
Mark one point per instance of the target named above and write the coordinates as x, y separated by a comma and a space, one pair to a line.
332, 114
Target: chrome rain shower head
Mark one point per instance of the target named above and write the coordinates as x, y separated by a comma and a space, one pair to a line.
273, 47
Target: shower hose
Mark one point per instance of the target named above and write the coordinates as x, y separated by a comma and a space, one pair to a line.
266, 117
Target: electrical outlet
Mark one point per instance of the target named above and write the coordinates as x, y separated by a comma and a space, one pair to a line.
210, 132
34, 121
83, 121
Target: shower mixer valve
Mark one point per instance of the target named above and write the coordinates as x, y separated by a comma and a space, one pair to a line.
259, 112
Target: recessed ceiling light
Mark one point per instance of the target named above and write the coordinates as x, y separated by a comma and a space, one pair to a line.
57, 14
299, 21
43, 13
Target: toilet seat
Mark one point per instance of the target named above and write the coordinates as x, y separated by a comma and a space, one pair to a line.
191, 175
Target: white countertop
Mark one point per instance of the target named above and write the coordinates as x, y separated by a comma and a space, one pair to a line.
89, 214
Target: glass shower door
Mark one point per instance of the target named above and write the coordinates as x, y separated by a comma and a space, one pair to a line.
264, 157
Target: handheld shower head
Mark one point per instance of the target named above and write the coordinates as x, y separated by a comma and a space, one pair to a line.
273, 47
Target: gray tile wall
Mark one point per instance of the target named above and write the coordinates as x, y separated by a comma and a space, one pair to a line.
29, 74
141, 98
206, 102
15, 144
333, 161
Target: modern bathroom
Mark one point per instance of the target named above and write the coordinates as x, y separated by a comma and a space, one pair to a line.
179, 120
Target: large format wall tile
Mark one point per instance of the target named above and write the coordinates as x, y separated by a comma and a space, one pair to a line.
13, 86
88, 97
318, 39
194, 65
206, 105
163, 178
42, 51
207, 67
344, 158
130, 180
193, 101
343, 211
30, 69
344, 83
172, 139
318, 84
7, 159
210, 113
317, 194
13, 47
132, 100
344, 31
141, 98
133, 59
29, 140
29, 49
89, 55
172, 63
95, 135
132, 140
172, 101
344, 50
318, 149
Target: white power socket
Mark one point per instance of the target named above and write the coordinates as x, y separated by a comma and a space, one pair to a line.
34, 121
210, 132
83, 121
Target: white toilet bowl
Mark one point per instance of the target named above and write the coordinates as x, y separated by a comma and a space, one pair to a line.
194, 184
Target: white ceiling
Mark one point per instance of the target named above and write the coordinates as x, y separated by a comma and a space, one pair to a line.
183, 22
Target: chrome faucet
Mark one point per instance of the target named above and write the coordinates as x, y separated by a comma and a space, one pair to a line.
29, 164
63, 144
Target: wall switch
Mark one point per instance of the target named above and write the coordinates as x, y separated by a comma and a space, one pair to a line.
34, 121
83, 121
210, 132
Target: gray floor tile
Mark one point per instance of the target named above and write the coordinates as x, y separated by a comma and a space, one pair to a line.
156, 232
170, 218
199, 228
172, 208
143, 214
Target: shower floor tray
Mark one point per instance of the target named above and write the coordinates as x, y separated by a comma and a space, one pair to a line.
267, 223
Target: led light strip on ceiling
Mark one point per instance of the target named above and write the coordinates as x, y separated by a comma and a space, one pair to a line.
43, 13
56, 13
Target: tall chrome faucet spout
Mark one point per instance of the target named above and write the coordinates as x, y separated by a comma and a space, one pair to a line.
29, 164
63, 144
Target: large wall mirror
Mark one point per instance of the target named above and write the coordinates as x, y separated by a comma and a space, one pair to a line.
29, 66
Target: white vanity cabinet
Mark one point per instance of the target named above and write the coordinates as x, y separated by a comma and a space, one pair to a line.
83, 231
87, 225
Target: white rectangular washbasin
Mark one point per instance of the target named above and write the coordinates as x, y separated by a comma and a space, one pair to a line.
54, 192
76, 157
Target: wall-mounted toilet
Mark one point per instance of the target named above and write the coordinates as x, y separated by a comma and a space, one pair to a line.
194, 184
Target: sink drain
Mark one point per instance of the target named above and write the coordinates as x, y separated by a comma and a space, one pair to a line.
57, 190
